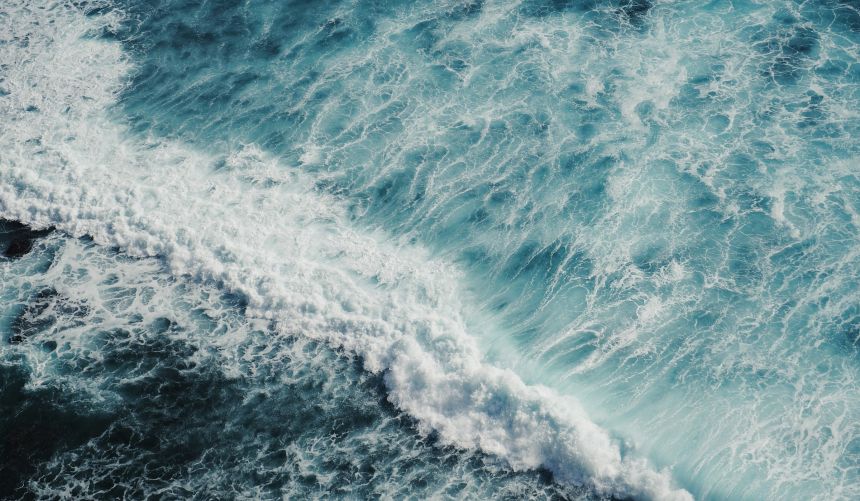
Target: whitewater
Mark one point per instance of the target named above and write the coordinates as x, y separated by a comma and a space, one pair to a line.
443, 249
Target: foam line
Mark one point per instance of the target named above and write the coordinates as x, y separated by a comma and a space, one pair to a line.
251, 225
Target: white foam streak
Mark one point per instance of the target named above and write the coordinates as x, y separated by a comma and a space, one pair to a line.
253, 226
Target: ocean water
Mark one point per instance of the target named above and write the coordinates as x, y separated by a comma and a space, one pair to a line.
500, 249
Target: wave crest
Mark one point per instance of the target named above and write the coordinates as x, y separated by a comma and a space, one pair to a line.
246, 223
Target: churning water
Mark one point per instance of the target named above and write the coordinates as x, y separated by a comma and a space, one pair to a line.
575, 249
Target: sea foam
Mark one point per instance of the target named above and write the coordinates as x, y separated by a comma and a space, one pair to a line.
244, 222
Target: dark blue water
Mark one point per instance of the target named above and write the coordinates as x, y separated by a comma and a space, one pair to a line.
482, 249
124, 382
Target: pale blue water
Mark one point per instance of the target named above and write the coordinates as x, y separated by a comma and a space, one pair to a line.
651, 207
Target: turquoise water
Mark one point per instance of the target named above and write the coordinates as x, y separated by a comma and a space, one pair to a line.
523, 249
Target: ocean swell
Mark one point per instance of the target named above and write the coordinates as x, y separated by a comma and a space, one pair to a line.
245, 222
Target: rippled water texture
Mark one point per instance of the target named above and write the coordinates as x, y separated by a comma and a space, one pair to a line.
581, 249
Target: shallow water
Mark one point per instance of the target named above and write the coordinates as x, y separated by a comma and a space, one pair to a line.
447, 248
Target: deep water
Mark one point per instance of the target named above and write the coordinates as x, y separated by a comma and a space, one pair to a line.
122, 382
454, 248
